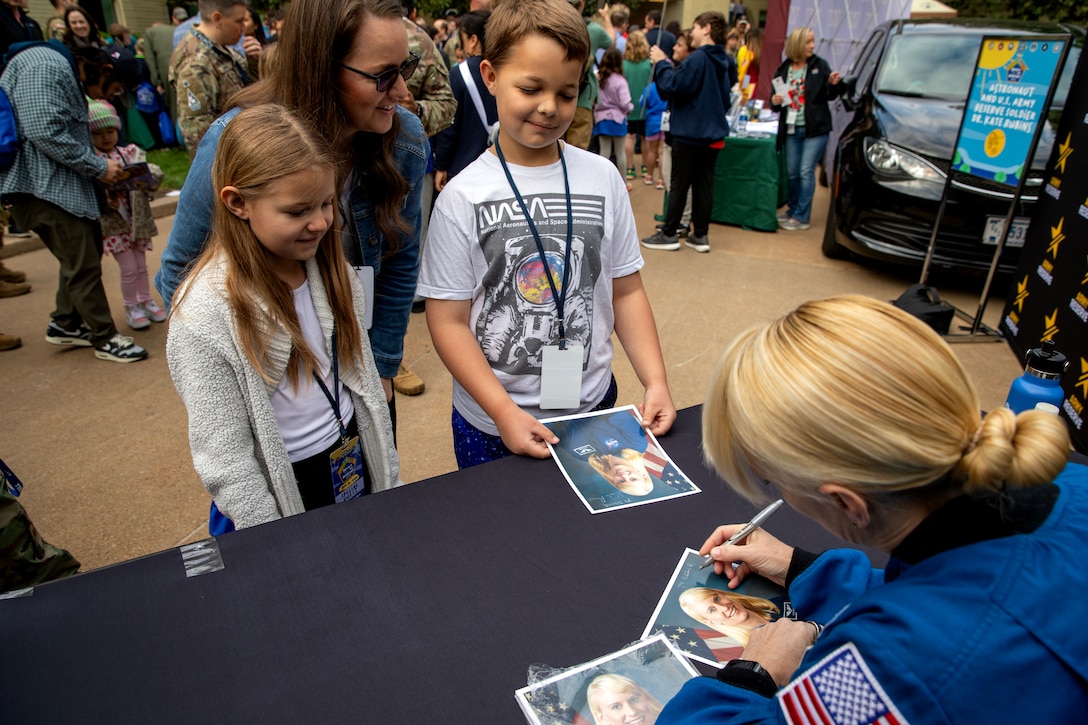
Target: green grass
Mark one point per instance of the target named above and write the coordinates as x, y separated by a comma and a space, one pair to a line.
174, 164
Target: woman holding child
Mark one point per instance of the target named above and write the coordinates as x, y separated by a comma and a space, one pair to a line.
355, 57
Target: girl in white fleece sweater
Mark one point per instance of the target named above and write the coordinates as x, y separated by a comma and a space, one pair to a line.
266, 347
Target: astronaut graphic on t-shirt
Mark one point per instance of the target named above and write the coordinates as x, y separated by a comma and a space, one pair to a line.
519, 315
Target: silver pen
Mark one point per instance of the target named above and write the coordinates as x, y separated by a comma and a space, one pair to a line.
748, 528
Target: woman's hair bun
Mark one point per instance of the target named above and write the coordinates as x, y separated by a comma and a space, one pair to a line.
1013, 451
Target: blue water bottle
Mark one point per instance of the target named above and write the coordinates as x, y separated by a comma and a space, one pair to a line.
1041, 381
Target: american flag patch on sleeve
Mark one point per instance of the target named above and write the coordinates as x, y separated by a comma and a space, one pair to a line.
839, 690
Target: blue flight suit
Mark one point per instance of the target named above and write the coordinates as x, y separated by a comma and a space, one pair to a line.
977, 618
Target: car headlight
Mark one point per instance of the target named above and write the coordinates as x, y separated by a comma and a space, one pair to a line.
891, 161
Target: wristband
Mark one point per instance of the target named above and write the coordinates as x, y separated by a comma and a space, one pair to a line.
749, 675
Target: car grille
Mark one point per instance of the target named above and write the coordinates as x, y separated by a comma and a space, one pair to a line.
910, 239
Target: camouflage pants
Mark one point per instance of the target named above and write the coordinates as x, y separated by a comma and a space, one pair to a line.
25, 558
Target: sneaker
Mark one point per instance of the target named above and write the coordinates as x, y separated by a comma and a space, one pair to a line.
792, 225
681, 231
660, 240
783, 215
13, 289
645, 171
407, 382
153, 311
647, 180
699, 244
120, 349
661, 186
75, 338
9, 342
630, 172
10, 275
136, 317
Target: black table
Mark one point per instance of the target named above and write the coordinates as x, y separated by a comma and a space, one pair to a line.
423, 604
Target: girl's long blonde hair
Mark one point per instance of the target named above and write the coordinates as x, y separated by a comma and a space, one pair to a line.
637, 48
259, 147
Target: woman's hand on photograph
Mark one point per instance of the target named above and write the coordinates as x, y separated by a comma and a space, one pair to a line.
759, 553
525, 435
780, 646
657, 410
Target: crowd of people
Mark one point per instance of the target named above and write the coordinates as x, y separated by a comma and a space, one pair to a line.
297, 257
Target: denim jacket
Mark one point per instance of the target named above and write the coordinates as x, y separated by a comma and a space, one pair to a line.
394, 276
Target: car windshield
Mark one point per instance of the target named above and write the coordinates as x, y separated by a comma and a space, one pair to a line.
942, 66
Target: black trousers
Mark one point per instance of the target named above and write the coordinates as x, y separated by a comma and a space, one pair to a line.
314, 475
77, 244
692, 168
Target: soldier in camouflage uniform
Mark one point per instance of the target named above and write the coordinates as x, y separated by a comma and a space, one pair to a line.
432, 100
25, 558
206, 72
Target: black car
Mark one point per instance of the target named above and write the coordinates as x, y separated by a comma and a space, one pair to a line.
907, 91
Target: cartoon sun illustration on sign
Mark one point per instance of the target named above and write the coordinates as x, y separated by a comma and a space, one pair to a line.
995, 142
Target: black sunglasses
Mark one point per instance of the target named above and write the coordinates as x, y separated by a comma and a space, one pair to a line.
387, 78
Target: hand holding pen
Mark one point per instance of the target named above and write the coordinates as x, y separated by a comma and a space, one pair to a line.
751, 546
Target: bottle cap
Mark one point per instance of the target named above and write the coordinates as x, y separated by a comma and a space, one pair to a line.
1047, 408
1046, 359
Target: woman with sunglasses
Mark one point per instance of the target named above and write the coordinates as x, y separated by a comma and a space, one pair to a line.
340, 66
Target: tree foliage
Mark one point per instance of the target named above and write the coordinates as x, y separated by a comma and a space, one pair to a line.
1069, 11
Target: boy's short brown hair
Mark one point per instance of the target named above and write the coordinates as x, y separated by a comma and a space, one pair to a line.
716, 21
513, 20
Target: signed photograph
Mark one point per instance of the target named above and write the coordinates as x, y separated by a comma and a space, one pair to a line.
629, 686
705, 619
612, 462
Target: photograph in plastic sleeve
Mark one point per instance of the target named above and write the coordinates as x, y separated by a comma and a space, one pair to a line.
612, 462
708, 621
629, 686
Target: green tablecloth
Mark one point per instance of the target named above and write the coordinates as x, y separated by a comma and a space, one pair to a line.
749, 184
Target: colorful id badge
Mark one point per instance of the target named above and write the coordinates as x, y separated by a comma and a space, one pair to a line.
348, 476
561, 377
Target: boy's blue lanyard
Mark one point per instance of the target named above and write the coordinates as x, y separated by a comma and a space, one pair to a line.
334, 398
559, 295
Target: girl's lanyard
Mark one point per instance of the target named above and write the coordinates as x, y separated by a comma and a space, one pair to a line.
561, 365
346, 462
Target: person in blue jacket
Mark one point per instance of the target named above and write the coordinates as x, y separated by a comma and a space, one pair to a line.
698, 91
865, 421
341, 66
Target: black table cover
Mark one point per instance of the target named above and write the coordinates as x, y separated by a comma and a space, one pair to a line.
423, 604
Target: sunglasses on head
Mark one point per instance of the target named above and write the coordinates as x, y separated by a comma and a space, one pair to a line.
387, 78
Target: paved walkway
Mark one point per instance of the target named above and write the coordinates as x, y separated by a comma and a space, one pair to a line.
103, 447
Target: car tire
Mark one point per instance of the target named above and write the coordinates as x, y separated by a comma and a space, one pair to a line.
831, 247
